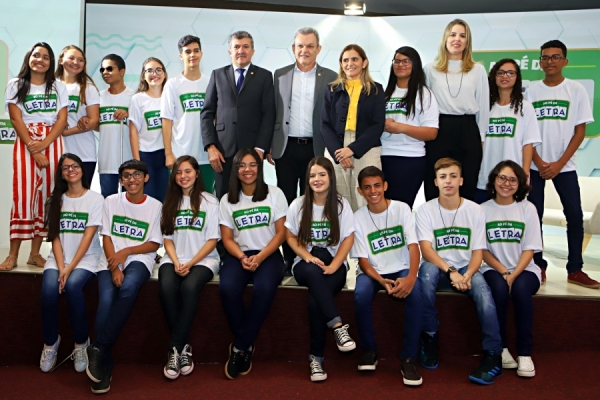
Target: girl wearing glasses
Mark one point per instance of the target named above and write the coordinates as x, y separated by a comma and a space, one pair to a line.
84, 108
145, 127
512, 130
513, 235
252, 216
320, 230
37, 106
461, 88
411, 119
73, 217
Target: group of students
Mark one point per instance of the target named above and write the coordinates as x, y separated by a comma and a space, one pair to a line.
357, 200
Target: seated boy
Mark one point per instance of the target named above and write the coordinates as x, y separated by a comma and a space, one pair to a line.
388, 255
131, 235
451, 232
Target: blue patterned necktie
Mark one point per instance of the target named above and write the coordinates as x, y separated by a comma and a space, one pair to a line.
240, 80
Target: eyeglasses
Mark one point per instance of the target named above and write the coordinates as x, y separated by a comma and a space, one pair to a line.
405, 61
156, 71
136, 175
74, 167
512, 181
510, 74
553, 57
108, 69
252, 165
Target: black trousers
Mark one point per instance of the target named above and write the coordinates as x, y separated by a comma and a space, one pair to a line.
459, 138
222, 178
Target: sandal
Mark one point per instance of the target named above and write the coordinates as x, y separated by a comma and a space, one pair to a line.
9, 264
37, 260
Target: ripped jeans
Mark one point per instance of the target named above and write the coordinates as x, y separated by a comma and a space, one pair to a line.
433, 279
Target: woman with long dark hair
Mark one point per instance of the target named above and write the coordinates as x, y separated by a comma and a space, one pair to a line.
411, 119
37, 105
190, 225
252, 216
320, 230
73, 215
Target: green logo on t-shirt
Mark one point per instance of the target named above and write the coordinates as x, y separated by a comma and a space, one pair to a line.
38, 103
551, 109
192, 102
453, 238
73, 222
73, 104
153, 120
107, 114
393, 106
386, 239
252, 217
185, 220
129, 228
504, 231
502, 127
319, 231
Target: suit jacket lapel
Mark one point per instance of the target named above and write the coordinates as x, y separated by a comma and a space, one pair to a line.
231, 77
318, 85
249, 75
287, 80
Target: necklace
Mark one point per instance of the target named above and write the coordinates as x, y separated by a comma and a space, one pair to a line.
386, 219
454, 218
459, 87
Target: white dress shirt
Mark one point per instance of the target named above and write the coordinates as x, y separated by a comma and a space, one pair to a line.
302, 102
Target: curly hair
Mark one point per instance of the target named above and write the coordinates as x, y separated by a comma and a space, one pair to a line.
516, 96
523, 187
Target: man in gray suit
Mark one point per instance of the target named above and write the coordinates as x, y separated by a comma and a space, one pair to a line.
239, 109
297, 137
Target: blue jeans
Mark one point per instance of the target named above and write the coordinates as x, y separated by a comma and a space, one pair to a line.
77, 280
433, 279
403, 186
567, 187
109, 184
136, 274
159, 174
365, 291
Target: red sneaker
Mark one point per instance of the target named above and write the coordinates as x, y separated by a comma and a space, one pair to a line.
543, 275
580, 278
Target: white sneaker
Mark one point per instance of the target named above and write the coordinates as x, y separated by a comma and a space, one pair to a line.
48, 359
79, 359
526, 368
342, 339
317, 373
508, 362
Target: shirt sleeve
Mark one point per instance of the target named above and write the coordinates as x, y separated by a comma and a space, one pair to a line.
167, 105
95, 215
346, 220
135, 113
62, 95
292, 218
280, 206
92, 96
482, 96
11, 91
360, 249
225, 217
584, 110
531, 133
431, 111
106, 218
423, 225
155, 233
410, 234
212, 219
532, 237
478, 233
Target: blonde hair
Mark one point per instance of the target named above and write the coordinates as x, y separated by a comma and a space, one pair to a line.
467, 55
365, 78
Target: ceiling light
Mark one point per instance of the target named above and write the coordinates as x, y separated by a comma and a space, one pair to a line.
355, 8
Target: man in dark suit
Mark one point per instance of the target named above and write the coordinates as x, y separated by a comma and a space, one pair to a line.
297, 137
239, 109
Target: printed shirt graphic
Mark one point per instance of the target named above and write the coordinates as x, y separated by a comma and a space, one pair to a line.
399, 144
456, 235
510, 230
112, 149
37, 108
253, 223
320, 228
78, 214
83, 144
191, 235
144, 114
181, 102
558, 110
386, 249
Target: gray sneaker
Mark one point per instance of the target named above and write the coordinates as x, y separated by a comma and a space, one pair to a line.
48, 359
79, 356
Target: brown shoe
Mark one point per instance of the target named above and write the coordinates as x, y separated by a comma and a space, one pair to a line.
582, 279
9, 264
543, 276
37, 260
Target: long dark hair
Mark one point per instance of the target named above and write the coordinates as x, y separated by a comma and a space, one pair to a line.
174, 196
516, 95
24, 83
416, 83
333, 206
235, 186
82, 78
523, 187
54, 202
143, 86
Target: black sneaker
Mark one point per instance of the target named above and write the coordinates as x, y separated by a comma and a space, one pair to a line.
429, 348
489, 369
104, 385
186, 364
410, 373
239, 363
368, 361
172, 369
93, 356
342, 339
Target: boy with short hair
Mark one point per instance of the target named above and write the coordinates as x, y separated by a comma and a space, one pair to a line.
385, 243
131, 235
451, 232
562, 109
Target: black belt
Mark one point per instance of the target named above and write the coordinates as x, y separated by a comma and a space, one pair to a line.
300, 140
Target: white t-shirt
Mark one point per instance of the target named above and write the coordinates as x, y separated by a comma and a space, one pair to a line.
511, 230
130, 225
506, 135
383, 238
181, 102
253, 223
399, 144
558, 110
471, 96
189, 237
110, 153
76, 215
456, 235
36, 108
144, 113
82, 144
320, 227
